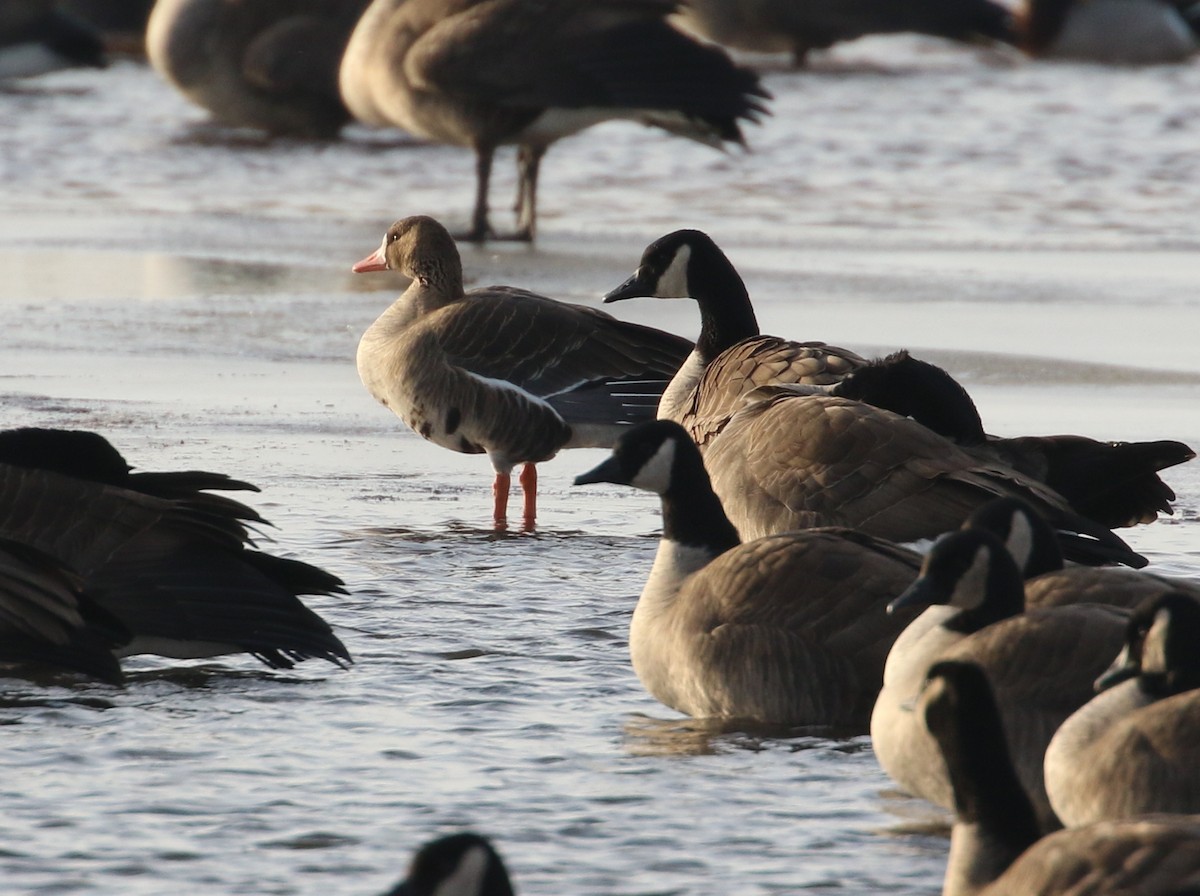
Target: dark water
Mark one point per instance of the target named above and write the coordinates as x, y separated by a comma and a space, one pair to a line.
187, 292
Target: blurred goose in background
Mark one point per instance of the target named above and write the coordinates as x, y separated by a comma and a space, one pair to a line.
1036, 547
168, 562
1116, 32
489, 73
995, 848
36, 37
266, 65
120, 23
798, 26
463, 864
1113, 483
501, 370
784, 630
1135, 747
1041, 663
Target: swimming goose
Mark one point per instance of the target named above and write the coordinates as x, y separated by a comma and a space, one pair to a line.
994, 844
500, 370
1135, 747
784, 630
170, 562
463, 864
1113, 483
271, 66
1041, 663
798, 26
488, 73
1120, 32
1048, 581
36, 37
47, 619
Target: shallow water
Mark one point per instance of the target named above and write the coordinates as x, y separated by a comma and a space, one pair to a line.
187, 292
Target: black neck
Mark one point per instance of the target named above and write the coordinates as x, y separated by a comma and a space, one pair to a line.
726, 315
692, 512
1004, 595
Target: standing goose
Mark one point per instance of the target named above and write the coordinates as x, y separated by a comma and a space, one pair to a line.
500, 370
463, 864
799, 26
1115, 32
36, 37
266, 65
1135, 747
170, 562
995, 848
1040, 663
488, 73
784, 630
1113, 483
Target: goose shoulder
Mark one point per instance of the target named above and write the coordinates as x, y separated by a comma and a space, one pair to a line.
1120, 32
1118, 586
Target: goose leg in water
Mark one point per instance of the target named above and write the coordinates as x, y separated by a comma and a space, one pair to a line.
480, 229
528, 160
529, 490
500, 493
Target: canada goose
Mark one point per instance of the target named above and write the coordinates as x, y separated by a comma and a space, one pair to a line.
271, 66
1041, 663
1135, 747
500, 370
1048, 581
1121, 32
169, 561
36, 37
994, 845
784, 630
487, 73
798, 26
463, 864
1113, 483
46, 618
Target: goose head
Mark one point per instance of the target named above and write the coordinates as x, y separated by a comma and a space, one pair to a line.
1160, 647
972, 571
688, 264
458, 865
1032, 542
421, 249
661, 457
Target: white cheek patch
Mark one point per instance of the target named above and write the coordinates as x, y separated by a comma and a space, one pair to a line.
673, 284
1020, 540
467, 879
1154, 645
655, 474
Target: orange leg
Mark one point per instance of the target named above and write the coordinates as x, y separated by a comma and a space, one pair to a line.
529, 489
500, 494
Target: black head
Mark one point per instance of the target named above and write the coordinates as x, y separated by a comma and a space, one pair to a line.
1031, 540
646, 457
78, 453
459, 865
971, 570
1160, 647
665, 271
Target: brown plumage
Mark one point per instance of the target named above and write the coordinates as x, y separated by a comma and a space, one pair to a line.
501, 370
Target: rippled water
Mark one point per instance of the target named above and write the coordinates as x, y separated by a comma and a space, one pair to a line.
186, 291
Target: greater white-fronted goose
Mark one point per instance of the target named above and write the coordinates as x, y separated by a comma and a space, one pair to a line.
270, 66
488, 73
1116, 32
784, 630
501, 370
159, 553
995, 848
798, 26
1135, 747
1113, 483
1049, 582
463, 864
36, 37
1041, 663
